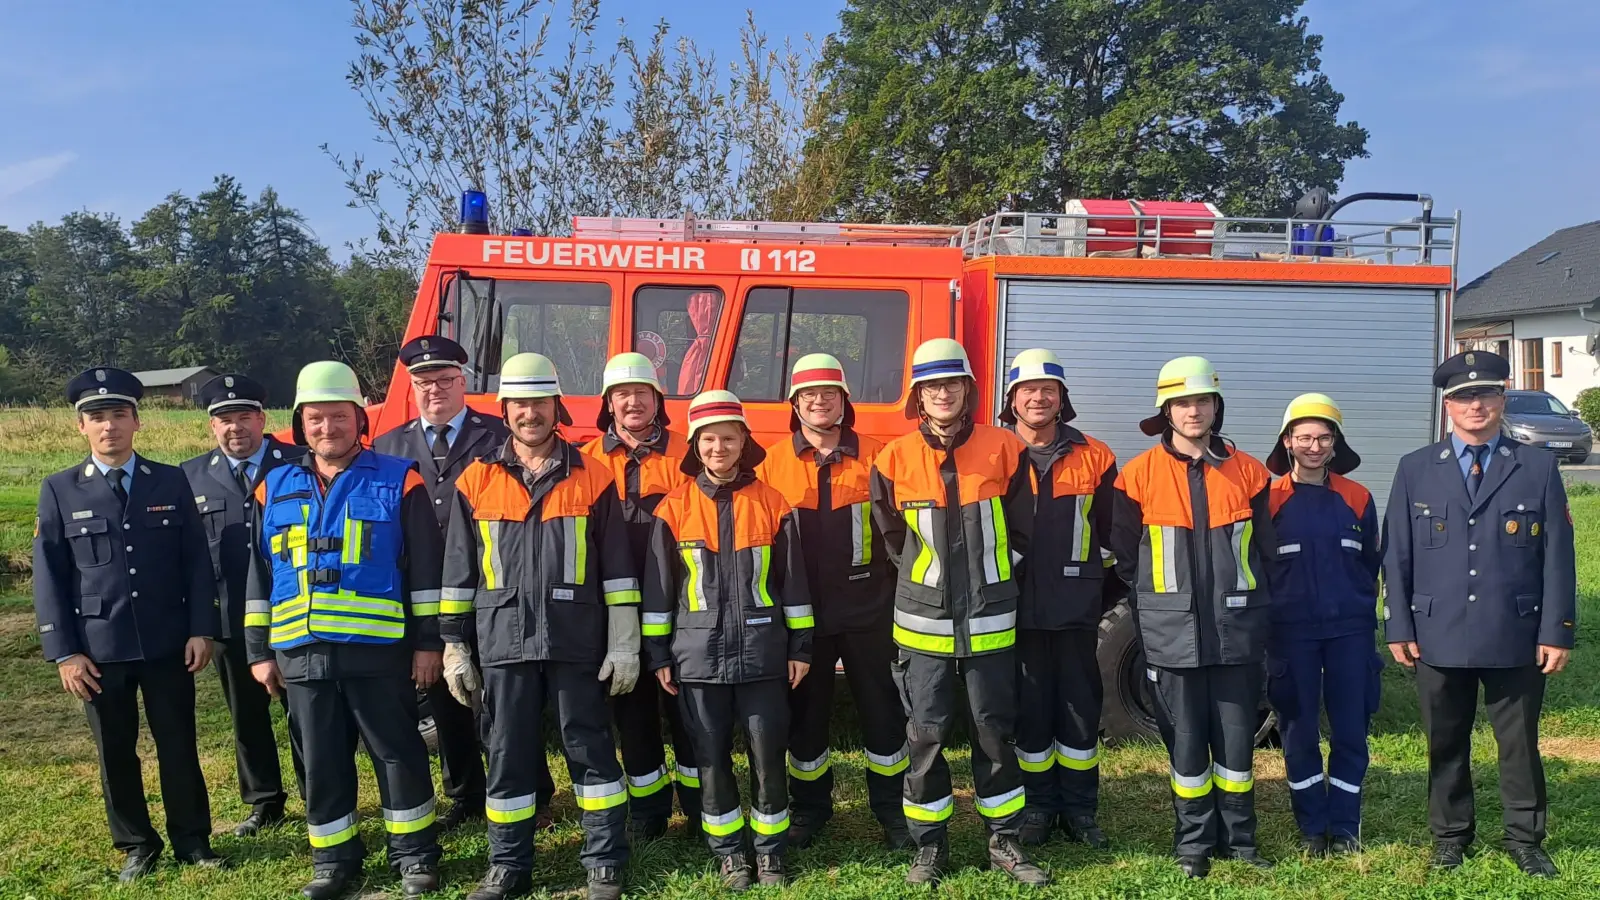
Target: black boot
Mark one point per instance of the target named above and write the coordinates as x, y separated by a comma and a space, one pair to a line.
1006, 855
327, 883
204, 858
1085, 830
1314, 845
418, 879
932, 861
804, 828
605, 883
460, 813
1195, 866
896, 836
736, 872
1343, 844
770, 870
1534, 862
1250, 856
256, 821
138, 865
500, 883
1447, 856
1036, 828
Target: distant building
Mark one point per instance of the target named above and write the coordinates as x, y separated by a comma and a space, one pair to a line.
1540, 309
177, 384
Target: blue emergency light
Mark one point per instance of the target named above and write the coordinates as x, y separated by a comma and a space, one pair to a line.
522, 232
474, 212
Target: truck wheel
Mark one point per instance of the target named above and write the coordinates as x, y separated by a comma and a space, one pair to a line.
1129, 712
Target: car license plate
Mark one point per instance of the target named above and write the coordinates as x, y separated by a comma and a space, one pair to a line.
1559, 445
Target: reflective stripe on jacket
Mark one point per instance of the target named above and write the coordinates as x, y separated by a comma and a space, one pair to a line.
334, 555
1070, 554
1325, 570
534, 567
847, 570
1200, 593
725, 596
956, 593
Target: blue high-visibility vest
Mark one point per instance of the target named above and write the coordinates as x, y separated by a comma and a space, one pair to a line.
336, 557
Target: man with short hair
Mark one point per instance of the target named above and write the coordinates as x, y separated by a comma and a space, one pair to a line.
223, 481
1481, 588
342, 613
126, 604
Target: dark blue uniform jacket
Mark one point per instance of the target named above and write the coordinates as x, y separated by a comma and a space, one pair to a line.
1325, 566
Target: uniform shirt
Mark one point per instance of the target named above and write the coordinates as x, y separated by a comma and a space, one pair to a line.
127, 470
254, 460
429, 431
1464, 455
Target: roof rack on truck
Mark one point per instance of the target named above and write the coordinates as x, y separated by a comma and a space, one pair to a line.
735, 231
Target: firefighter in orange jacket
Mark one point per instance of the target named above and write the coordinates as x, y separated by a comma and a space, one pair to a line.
727, 623
824, 471
644, 458
1191, 531
1066, 587
953, 503
537, 561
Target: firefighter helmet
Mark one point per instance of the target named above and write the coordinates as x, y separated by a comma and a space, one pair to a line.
816, 370
326, 381
1037, 364
1322, 408
530, 376
934, 360
1186, 376
711, 408
629, 368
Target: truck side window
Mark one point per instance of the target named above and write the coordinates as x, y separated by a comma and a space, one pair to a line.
675, 328
865, 329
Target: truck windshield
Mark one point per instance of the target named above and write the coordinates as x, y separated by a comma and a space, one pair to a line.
496, 319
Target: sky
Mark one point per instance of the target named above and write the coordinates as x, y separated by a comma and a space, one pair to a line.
109, 106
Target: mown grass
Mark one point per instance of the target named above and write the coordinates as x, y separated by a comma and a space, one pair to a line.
52, 823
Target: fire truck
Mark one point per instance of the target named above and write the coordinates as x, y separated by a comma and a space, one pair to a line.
1357, 309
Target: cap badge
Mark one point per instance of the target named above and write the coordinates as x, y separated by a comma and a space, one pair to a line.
427, 356
228, 381
232, 395
1511, 526
425, 344
1471, 359
99, 374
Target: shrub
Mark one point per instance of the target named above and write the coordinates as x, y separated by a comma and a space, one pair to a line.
1588, 406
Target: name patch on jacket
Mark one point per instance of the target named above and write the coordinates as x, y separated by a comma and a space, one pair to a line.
861, 577
83, 514
561, 593
1069, 571
919, 504
691, 545
764, 620
1236, 601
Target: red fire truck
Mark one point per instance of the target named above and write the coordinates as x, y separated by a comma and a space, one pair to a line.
1356, 309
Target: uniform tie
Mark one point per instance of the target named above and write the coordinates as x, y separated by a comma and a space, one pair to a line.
441, 443
115, 476
241, 473
1475, 474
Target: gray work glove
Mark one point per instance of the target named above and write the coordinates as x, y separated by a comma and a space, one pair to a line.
460, 675
622, 648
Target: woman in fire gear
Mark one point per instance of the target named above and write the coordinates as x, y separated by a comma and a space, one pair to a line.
1324, 615
724, 559
644, 457
824, 469
1067, 581
1190, 531
954, 506
537, 561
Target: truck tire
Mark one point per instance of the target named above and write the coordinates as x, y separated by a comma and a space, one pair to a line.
1129, 712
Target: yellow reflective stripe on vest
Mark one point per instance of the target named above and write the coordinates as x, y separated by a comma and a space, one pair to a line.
1246, 580
921, 633
1231, 780
1163, 579
925, 569
1081, 532
1191, 786
694, 584
760, 568
861, 534
489, 533
621, 591
408, 821
575, 552
937, 811
330, 834
351, 552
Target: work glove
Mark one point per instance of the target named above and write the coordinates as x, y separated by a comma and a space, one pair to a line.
622, 649
460, 675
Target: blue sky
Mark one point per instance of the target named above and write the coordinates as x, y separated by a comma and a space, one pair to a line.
1489, 106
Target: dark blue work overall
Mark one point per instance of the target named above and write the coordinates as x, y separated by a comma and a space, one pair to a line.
1323, 650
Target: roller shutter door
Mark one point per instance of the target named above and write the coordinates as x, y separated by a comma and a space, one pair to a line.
1372, 348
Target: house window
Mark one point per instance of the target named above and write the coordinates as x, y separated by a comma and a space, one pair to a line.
1533, 364
1555, 359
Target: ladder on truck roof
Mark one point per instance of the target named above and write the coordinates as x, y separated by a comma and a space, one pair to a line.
734, 231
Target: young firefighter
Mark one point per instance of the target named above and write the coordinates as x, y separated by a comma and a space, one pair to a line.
1324, 620
724, 559
1065, 585
1190, 530
644, 457
342, 612
538, 564
954, 506
824, 471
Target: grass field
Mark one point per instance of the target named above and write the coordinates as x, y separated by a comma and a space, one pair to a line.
52, 823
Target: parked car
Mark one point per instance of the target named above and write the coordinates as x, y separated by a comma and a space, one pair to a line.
1537, 419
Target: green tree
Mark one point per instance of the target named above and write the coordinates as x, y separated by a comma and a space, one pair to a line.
84, 303
375, 301
953, 109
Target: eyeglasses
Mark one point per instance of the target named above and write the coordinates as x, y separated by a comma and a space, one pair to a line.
812, 395
947, 386
1307, 441
1471, 395
437, 384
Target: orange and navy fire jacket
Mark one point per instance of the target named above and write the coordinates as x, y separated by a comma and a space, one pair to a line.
1070, 561
643, 474
533, 562
1325, 571
1192, 536
852, 583
725, 596
955, 521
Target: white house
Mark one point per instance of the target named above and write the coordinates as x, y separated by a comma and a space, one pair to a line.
1541, 310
